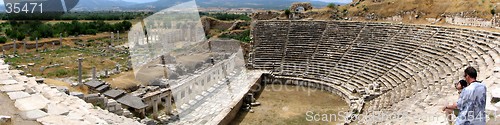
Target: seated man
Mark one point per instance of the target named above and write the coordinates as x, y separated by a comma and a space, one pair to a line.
460, 85
472, 101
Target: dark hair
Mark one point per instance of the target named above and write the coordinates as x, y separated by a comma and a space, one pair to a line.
470, 71
463, 83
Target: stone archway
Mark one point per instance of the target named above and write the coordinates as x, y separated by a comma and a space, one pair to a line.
301, 6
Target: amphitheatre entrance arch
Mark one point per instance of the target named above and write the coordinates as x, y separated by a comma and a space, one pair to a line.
301, 7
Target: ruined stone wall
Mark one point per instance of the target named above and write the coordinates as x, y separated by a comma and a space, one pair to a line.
211, 23
265, 15
31, 45
463, 21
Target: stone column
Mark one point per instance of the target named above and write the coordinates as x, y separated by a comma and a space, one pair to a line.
118, 35
3, 51
155, 106
163, 62
118, 68
142, 112
15, 47
112, 38
168, 107
36, 44
106, 73
129, 63
94, 77
80, 70
24, 46
60, 40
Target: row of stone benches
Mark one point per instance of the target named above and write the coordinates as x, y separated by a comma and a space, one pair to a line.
312, 69
466, 49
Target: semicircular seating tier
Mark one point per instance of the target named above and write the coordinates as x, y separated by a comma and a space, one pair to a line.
388, 66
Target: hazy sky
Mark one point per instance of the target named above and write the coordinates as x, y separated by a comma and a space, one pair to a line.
144, 1
342, 1
139, 1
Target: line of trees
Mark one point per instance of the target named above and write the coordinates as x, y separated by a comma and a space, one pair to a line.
243, 36
226, 16
19, 30
76, 16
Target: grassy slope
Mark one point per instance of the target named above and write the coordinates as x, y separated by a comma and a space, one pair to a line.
432, 8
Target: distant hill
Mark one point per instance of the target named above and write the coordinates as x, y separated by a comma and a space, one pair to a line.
92, 5
425, 8
104, 5
257, 4
98, 5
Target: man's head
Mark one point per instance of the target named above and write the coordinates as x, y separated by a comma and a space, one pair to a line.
470, 75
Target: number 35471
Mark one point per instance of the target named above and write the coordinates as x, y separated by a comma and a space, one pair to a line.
23, 7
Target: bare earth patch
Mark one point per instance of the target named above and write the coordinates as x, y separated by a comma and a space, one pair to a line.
53, 82
123, 80
285, 104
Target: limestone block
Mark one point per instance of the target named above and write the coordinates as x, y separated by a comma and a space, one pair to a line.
30, 90
33, 114
491, 109
94, 120
22, 79
31, 103
57, 109
496, 69
4, 67
495, 93
5, 119
12, 88
5, 76
8, 82
17, 95
59, 120
75, 115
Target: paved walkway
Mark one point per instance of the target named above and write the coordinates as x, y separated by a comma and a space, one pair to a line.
214, 104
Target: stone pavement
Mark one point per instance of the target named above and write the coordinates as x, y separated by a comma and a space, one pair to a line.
215, 103
47, 105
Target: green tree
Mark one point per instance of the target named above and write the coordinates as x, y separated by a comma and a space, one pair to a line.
20, 36
3, 39
287, 12
331, 6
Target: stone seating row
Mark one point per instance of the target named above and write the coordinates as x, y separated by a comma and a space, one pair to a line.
400, 62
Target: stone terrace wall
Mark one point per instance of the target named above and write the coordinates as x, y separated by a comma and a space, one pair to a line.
477, 22
31, 45
38, 101
188, 89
